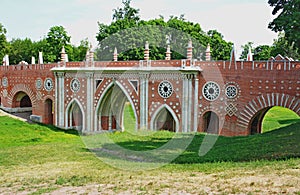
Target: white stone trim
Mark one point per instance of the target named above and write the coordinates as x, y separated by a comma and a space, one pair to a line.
153, 119
103, 96
67, 121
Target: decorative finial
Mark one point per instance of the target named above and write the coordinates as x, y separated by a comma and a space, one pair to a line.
190, 50
41, 60
115, 54
147, 45
207, 53
63, 57
249, 55
146, 51
168, 53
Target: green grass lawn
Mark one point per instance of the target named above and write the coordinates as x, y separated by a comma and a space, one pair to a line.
278, 117
36, 159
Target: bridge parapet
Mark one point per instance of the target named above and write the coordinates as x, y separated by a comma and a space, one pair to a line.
28, 67
278, 65
281, 65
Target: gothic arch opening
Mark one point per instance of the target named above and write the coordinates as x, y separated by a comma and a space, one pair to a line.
110, 112
211, 122
164, 120
48, 112
271, 118
75, 116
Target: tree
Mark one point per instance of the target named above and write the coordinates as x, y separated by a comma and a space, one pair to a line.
56, 38
78, 53
128, 34
287, 20
283, 47
4, 45
262, 52
126, 13
220, 48
21, 50
246, 50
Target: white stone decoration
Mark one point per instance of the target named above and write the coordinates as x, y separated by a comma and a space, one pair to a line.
4, 93
39, 95
231, 91
39, 84
211, 91
231, 109
4, 82
48, 84
75, 85
165, 89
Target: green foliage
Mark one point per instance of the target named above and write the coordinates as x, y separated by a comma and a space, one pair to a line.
262, 52
79, 53
126, 13
22, 50
220, 48
283, 47
57, 37
278, 117
287, 20
4, 46
246, 50
128, 34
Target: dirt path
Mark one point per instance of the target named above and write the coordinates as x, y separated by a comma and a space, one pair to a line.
2, 113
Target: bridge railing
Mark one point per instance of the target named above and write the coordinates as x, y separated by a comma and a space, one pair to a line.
28, 67
281, 65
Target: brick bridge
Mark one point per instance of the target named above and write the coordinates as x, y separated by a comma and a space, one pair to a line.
224, 97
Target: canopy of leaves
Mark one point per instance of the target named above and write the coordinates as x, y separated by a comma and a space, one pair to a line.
265, 52
4, 46
56, 38
282, 46
24, 49
126, 13
287, 20
246, 50
128, 34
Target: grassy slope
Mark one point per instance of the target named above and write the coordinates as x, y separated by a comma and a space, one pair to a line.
278, 117
32, 155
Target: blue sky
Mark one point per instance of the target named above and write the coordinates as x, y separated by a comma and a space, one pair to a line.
239, 21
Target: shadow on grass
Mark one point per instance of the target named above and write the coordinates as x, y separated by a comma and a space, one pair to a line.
57, 129
279, 144
289, 121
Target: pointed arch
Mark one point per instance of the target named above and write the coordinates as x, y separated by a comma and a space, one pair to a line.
69, 111
103, 98
157, 113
